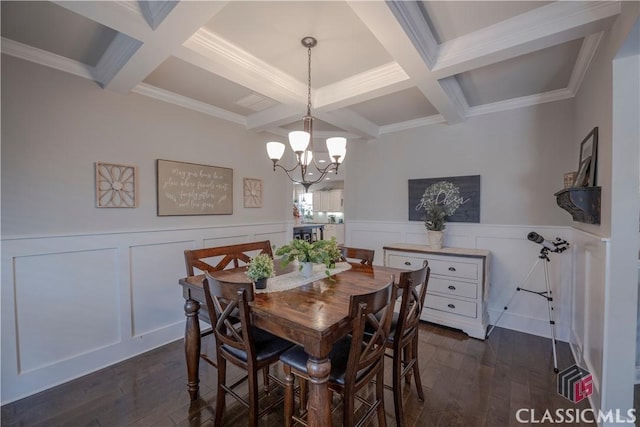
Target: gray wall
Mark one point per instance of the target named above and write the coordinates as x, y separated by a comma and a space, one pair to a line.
55, 126
520, 155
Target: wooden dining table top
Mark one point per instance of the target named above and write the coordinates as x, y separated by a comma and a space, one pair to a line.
314, 315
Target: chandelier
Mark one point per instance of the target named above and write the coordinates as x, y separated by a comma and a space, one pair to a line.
301, 142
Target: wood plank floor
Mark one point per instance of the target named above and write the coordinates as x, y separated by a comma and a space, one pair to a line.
467, 382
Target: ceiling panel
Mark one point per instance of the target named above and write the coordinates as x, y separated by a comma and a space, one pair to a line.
54, 29
191, 81
537, 72
452, 19
408, 104
272, 32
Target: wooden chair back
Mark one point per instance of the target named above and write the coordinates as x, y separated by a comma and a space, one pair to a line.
222, 257
357, 255
413, 285
227, 303
368, 357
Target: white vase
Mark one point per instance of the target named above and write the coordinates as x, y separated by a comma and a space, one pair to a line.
435, 238
307, 269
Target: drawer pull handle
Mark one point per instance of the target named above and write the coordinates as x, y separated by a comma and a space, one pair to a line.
451, 306
452, 269
451, 287
407, 263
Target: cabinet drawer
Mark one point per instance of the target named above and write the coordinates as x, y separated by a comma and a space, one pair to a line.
450, 305
454, 268
405, 262
452, 287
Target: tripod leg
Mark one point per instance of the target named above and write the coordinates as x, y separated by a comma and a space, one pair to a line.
552, 323
506, 307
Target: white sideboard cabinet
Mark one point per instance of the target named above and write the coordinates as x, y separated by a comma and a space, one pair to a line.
458, 287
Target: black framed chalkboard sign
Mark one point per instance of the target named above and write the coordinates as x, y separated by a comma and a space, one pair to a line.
193, 189
469, 187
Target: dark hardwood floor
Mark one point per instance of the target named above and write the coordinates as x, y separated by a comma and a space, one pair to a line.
467, 382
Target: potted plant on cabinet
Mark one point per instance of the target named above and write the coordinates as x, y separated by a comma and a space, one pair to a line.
439, 200
308, 253
260, 269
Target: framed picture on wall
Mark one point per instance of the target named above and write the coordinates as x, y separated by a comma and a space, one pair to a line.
588, 162
252, 193
116, 185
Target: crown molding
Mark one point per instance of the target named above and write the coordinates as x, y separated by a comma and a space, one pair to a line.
412, 124
47, 59
190, 103
239, 66
361, 87
587, 52
523, 101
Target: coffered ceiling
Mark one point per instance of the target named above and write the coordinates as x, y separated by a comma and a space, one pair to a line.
379, 67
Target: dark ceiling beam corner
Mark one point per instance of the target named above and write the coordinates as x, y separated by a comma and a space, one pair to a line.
155, 11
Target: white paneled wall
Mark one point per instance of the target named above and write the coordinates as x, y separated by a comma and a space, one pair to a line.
75, 304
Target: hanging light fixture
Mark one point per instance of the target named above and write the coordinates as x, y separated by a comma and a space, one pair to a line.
301, 142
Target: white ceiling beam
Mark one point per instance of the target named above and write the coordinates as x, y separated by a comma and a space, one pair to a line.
362, 87
179, 25
212, 53
395, 30
546, 26
279, 115
351, 122
124, 17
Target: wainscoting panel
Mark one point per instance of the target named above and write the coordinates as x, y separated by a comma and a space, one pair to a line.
74, 304
154, 290
588, 306
62, 308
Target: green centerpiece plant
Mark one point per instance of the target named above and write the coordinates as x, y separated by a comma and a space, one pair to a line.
261, 267
320, 252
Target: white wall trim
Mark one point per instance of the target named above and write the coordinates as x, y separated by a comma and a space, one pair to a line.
133, 274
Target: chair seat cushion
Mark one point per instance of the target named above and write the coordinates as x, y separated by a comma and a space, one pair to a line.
297, 358
267, 346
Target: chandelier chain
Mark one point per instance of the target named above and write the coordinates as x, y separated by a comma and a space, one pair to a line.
309, 82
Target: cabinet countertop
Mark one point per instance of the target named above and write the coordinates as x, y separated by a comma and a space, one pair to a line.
428, 250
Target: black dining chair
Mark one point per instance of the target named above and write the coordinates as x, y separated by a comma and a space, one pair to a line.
354, 363
241, 344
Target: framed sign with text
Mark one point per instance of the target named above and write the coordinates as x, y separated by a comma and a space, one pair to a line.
193, 189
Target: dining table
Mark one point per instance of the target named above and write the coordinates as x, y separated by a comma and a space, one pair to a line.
313, 315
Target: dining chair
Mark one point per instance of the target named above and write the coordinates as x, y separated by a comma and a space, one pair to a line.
220, 257
356, 256
403, 334
241, 344
354, 363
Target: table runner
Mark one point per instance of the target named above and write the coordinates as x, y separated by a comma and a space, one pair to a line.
295, 278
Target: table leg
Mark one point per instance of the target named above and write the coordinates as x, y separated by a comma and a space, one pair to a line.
319, 397
192, 346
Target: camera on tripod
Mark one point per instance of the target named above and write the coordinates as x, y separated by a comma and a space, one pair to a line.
557, 245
